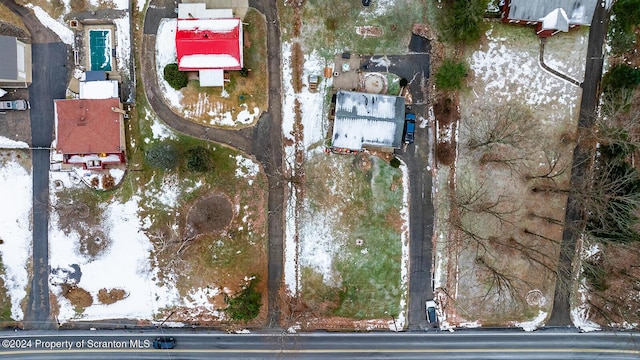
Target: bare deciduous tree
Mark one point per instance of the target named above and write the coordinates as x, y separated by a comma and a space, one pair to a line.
554, 168
508, 124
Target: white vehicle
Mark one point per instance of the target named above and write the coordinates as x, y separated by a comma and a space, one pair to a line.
14, 105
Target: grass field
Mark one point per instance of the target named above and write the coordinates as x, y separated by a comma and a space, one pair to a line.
358, 199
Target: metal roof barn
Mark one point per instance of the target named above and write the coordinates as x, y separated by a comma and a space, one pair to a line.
365, 120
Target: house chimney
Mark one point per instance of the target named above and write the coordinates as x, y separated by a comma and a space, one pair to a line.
118, 110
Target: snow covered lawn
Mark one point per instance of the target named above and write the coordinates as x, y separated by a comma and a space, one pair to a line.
15, 233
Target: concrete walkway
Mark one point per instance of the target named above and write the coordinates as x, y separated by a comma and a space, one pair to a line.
555, 72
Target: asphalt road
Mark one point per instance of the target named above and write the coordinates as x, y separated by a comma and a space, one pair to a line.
459, 345
574, 213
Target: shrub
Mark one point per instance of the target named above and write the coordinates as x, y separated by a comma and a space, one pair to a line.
450, 75
163, 156
199, 159
244, 72
626, 15
108, 182
246, 304
176, 78
462, 20
395, 162
595, 275
330, 24
621, 77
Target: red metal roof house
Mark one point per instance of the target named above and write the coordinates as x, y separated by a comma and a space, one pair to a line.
209, 41
90, 132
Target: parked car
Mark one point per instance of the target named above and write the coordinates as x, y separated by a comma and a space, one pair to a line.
14, 105
430, 307
164, 343
409, 128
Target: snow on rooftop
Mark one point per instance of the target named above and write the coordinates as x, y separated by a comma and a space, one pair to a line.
367, 105
99, 89
65, 34
118, 4
579, 11
16, 233
209, 61
354, 133
6, 143
214, 25
556, 20
200, 11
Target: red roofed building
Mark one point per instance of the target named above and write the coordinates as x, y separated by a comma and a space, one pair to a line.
90, 132
208, 40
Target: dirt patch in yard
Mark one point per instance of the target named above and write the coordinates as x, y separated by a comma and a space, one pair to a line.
111, 296
93, 242
210, 214
297, 62
79, 297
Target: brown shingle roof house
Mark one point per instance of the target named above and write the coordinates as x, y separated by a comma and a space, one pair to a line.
90, 132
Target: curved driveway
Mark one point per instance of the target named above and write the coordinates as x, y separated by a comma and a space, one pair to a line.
264, 140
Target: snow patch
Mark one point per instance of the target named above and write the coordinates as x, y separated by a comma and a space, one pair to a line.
166, 54
15, 217
533, 324
64, 33
123, 49
246, 168
6, 143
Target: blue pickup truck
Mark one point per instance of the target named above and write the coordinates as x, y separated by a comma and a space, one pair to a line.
409, 127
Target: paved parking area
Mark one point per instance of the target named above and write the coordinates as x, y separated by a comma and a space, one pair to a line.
16, 125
